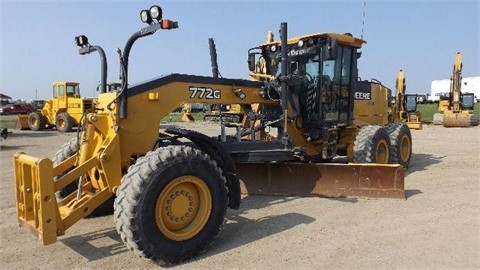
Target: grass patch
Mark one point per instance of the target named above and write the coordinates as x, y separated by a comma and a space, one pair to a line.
428, 110
8, 123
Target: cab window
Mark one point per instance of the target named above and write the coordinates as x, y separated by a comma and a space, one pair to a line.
61, 90
55, 91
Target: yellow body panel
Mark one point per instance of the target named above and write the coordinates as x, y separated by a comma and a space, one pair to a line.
373, 111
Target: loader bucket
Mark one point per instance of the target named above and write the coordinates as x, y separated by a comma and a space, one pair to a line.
324, 180
22, 122
459, 120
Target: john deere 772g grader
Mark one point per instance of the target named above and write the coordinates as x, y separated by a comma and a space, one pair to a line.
170, 190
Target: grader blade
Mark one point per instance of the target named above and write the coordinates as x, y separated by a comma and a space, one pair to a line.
324, 180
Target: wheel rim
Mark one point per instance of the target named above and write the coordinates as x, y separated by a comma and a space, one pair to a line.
405, 148
61, 122
381, 152
183, 208
34, 121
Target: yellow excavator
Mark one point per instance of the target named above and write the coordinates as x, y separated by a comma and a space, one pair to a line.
171, 188
405, 107
456, 110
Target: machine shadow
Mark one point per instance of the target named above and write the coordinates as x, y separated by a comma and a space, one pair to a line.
421, 162
254, 229
104, 243
107, 242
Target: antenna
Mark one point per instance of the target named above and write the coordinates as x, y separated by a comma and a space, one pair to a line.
363, 21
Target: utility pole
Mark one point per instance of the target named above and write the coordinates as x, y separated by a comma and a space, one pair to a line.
36, 91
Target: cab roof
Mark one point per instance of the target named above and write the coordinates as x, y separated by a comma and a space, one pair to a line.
344, 39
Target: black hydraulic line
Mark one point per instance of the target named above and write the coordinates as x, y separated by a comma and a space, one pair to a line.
149, 30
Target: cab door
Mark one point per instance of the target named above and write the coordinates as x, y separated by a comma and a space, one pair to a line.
62, 97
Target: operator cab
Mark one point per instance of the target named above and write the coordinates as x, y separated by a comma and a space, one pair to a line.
322, 74
411, 103
468, 100
66, 89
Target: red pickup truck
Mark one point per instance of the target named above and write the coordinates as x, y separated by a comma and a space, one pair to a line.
16, 109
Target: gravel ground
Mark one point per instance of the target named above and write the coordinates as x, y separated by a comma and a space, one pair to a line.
438, 226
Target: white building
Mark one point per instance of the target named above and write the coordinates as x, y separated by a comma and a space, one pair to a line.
442, 87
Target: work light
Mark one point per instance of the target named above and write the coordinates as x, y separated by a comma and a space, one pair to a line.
145, 16
156, 13
81, 41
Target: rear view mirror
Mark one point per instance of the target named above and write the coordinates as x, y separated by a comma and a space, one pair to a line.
251, 61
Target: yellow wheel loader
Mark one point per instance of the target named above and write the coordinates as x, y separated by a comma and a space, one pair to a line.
456, 110
171, 189
63, 111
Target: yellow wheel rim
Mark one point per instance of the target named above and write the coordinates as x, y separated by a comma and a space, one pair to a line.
34, 121
405, 148
61, 122
382, 152
183, 208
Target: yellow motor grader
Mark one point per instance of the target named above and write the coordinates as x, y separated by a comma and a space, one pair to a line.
171, 189
456, 110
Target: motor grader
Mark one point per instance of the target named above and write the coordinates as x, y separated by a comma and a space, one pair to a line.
456, 110
405, 108
171, 188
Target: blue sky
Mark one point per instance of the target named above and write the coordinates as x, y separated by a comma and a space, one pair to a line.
37, 38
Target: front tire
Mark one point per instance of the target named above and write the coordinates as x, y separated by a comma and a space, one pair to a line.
64, 122
36, 121
171, 204
372, 145
401, 143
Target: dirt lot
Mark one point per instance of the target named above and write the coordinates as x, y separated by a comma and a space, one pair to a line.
438, 226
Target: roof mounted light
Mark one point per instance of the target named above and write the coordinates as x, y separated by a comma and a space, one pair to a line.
145, 16
156, 12
300, 43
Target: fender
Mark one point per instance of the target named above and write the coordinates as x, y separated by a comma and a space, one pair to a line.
216, 151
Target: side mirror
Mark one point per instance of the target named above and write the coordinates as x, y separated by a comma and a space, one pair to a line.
332, 48
251, 61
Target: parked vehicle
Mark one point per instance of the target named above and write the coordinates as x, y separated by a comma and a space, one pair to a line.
16, 109
38, 104
422, 99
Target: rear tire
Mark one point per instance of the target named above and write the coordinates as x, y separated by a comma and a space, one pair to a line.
67, 150
36, 121
64, 122
372, 145
401, 144
171, 204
